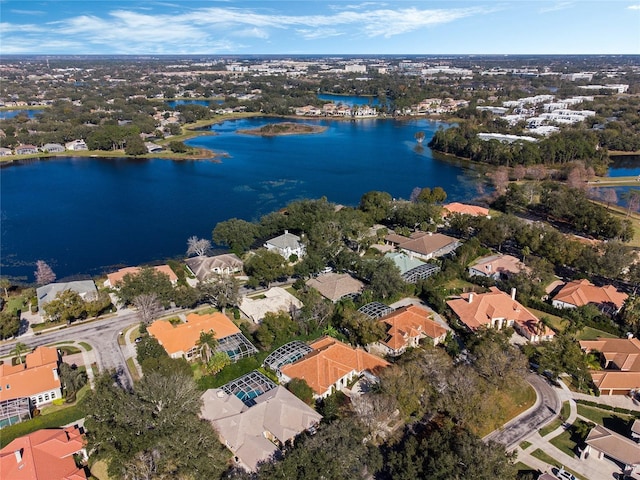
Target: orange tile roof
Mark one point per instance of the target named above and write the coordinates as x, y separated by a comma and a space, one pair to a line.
465, 209
116, 277
410, 322
330, 361
43, 455
582, 292
485, 307
184, 336
37, 374
622, 358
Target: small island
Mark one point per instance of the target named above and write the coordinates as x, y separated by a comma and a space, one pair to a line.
284, 128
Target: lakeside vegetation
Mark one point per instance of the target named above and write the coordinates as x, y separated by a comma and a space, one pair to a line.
284, 128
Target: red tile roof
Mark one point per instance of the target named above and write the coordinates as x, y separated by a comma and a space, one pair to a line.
582, 292
622, 363
43, 455
329, 362
37, 374
116, 277
410, 322
465, 209
184, 336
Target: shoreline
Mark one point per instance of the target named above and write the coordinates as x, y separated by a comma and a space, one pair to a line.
283, 129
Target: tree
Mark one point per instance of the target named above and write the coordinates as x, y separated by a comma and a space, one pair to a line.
67, 306
9, 324
206, 344
217, 362
609, 196
148, 307
18, 350
178, 147
419, 136
265, 266
147, 281
5, 284
301, 389
155, 429
72, 380
376, 204
198, 246
276, 328
386, 281
237, 234
221, 290
135, 146
359, 328
44, 274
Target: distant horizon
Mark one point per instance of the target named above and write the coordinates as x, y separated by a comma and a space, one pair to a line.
292, 27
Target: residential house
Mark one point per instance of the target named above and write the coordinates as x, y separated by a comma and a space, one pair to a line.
309, 110
335, 286
52, 148
286, 245
620, 360
497, 267
26, 150
606, 444
331, 366
411, 269
37, 378
46, 454
408, 325
5, 152
85, 288
153, 147
496, 309
181, 340
114, 278
256, 433
274, 300
464, 209
225, 264
424, 245
76, 145
582, 292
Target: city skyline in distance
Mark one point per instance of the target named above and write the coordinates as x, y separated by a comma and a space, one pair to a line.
334, 27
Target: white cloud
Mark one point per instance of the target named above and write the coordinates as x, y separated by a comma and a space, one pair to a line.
209, 29
634, 7
27, 12
556, 7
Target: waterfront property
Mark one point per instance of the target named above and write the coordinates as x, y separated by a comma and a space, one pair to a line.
225, 264
113, 279
85, 288
286, 245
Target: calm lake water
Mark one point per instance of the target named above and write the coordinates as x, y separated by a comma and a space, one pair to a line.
4, 114
90, 215
204, 103
350, 100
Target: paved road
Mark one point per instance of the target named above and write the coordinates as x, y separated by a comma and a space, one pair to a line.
546, 408
102, 335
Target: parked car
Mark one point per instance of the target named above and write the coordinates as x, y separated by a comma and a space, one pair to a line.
563, 474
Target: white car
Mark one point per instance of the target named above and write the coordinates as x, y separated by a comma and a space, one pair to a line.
564, 475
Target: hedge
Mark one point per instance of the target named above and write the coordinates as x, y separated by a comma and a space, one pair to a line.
51, 420
624, 411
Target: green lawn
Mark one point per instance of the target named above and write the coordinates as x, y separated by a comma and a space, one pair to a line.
564, 414
565, 442
590, 333
618, 422
86, 346
133, 370
555, 322
540, 455
524, 445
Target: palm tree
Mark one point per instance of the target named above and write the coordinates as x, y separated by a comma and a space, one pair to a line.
18, 350
207, 343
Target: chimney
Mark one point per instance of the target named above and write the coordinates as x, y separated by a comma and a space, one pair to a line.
18, 455
286, 232
55, 373
513, 294
471, 297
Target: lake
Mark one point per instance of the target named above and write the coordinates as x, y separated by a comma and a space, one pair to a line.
203, 103
5, 114
350, 100
91, 215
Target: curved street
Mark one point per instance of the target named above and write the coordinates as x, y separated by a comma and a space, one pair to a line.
545, 409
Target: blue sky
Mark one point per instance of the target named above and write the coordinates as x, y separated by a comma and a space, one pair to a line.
320, 27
